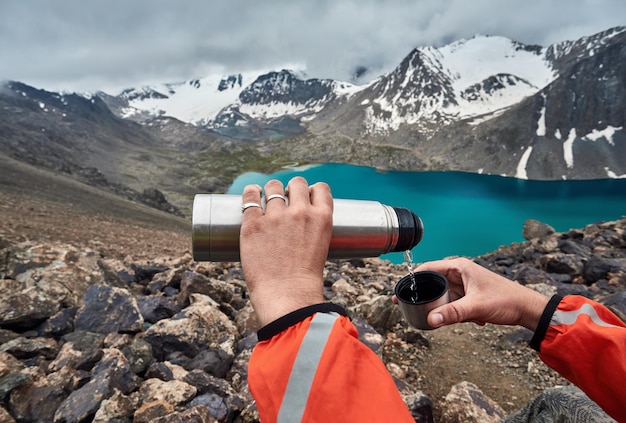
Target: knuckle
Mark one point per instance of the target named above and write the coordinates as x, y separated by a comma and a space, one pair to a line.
250, 193
298, 179
456, 313
321, 185
273, 185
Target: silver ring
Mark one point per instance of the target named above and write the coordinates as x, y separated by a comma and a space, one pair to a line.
271, 197
245, 206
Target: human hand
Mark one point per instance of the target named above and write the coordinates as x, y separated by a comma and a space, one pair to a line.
481, 296
283, 250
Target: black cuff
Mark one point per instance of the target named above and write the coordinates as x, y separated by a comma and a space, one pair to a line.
544, 322
282, 323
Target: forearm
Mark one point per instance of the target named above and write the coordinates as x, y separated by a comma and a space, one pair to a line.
585, 343
310, 366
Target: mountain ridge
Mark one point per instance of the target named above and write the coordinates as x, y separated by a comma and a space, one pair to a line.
431, 94
524, 118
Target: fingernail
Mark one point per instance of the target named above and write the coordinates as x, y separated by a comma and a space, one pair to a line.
436, 319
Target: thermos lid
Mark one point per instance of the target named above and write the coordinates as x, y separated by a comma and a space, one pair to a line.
410, 229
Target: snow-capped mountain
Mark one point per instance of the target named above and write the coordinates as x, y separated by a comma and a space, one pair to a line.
463, 79
195, 101
451, 107
217, 101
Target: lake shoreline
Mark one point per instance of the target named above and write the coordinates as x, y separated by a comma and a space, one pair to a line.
464, 213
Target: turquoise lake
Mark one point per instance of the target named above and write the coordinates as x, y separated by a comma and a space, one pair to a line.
466, 214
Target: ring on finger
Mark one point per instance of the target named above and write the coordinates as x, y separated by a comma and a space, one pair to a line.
245, 206
271, 197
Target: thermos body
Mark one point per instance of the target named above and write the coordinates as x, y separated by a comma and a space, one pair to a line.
361, 228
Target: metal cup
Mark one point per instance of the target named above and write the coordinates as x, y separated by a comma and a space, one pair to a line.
417, 300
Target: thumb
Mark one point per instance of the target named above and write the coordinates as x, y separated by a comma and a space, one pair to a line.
448, 314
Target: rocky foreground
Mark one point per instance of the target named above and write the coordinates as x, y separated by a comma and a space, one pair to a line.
85, 337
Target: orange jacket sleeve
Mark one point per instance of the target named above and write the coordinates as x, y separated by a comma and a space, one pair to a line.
586, 343
309, 366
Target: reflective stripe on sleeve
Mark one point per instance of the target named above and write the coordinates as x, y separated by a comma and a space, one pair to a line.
305, 367
569, 317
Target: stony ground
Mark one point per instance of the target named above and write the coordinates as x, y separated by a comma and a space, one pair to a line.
38, 206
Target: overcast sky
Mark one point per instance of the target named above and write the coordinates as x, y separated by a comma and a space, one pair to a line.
89, 45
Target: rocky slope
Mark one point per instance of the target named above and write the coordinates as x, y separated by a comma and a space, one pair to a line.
161, 164
105, 317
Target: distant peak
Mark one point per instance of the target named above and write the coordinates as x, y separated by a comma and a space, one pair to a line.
229, 82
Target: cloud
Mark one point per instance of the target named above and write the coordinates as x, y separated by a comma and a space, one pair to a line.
110, 45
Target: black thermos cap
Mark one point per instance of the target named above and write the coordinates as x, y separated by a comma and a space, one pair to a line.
411, 229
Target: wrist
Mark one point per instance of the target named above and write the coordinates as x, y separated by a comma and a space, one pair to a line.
544, 322
533, 309
275, 302
279, 325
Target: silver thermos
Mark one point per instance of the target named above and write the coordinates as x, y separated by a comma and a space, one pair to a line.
360, 228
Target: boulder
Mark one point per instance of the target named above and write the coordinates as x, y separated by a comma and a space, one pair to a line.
536, 229
465, 403
194, 329
108, 309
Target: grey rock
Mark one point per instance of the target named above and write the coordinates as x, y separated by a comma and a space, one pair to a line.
617, 304
174, 392
112, 372
59, 324
247, 321
38, 399
152, 411
115, 367
536, 229
192, 330
215, 404
119, 408
157, 307
145, 273
379, 312
107, 309
11, 381
560, 263
84, 402
214, 361
568, 246
139, 355
160, 370
81, 351
31, 347
528, 275
5, 417
27, 306
465, 403
421, 407
6, 335
208, 384
197, 283
368, 335
197, 414
597, 267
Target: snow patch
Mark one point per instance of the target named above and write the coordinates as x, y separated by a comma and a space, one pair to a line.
521, 166
196, 101
613, 175
568, 152
272, 110
476, 59
541, 123
606, 133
